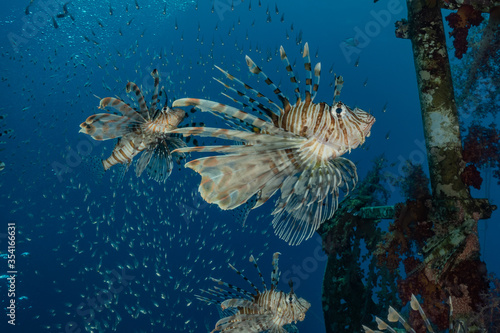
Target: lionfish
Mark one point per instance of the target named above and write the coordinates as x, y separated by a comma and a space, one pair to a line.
393, 316
146, 129
267, 310
296, 148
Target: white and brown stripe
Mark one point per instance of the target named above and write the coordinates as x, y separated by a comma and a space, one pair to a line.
137, 130
124, 152
296, 148
265, 310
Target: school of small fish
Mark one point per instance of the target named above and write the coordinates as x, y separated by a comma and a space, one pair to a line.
113, 238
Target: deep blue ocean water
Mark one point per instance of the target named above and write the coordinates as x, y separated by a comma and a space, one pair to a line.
161, 242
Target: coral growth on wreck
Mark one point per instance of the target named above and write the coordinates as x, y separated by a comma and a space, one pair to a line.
349, 240
461, 21
440, 259
481, 149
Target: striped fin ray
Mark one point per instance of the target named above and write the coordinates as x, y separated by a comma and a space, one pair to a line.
252, 260
154, 99
369, 330
339, 83
308, 199
245, 278
270, 188
230, 286
247, 323
254, 69
255, 105
394, 316
238, 302
243, 105
275, 275
119, 106
208, 300
105, 126
307, 66
245, 149
143, 108
177, 143
231, 135
157, 161
216, 294
206, 105
233, 123
382, 325
277, 110
415, 305
291, 74
317, 73
230, 180
228, 294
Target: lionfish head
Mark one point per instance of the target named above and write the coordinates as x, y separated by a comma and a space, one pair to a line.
357, 122
174, 116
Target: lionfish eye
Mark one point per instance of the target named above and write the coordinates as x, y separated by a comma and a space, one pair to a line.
338, 110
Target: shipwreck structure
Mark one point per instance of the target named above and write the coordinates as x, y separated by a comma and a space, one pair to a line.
434, 233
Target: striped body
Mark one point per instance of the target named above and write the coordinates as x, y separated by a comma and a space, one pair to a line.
146, 129
144, 136
295, 148
123, 153
334, 132
267, 310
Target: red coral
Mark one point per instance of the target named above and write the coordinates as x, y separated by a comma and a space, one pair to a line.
434, 297
482, 145
471, 177
460, 22
481, 148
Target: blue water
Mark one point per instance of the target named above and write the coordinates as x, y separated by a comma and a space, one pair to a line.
77, 235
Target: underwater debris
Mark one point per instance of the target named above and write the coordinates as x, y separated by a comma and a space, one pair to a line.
347, 293
265, 310
449, 266
296, 149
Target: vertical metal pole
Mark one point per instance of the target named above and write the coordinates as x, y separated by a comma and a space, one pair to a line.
439, 112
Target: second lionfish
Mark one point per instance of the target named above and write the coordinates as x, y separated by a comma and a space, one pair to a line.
424, 326
145, 130
296, 148
267, 310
